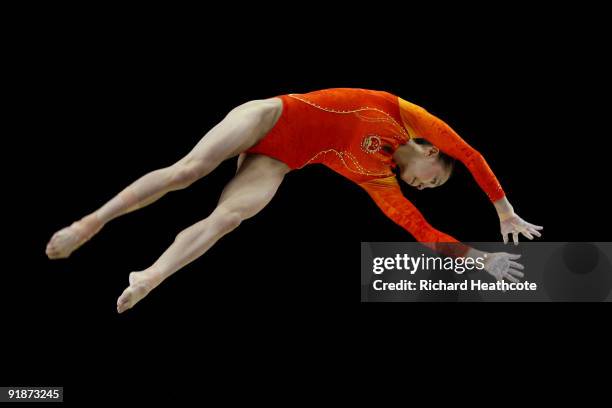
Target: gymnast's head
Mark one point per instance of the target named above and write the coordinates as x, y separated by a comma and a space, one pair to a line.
423, 165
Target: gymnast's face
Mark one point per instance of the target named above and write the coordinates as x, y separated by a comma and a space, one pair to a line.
425, 169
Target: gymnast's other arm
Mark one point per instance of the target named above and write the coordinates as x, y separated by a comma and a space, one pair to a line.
388, 196
420, 123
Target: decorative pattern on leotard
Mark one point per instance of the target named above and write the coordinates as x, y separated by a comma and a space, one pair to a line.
370, 144
357, 112
358, 169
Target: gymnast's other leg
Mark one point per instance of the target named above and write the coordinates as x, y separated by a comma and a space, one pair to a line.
242, 128
251, 189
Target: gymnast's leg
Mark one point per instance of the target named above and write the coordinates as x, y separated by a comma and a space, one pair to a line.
245, 195
243, 127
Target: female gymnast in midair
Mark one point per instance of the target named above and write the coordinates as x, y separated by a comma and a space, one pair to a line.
361, 134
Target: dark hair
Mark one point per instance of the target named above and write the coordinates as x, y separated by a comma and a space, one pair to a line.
447, 161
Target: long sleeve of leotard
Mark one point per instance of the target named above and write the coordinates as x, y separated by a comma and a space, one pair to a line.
421, 123
388, 196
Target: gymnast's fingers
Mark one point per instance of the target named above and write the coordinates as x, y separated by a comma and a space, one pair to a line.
534, 232
516, 273
511, 278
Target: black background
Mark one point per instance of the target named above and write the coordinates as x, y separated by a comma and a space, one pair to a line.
101, 101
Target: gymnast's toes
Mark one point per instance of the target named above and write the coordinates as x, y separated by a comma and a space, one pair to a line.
62, 243
125, 300
139, 288
66, 240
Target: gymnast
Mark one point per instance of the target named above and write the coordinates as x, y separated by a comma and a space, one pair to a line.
370, 137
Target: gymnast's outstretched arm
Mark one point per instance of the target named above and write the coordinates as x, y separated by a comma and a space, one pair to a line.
388, 196
421, 123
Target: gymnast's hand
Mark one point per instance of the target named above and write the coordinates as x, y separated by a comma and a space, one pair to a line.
511, 223
503, 265
515, 225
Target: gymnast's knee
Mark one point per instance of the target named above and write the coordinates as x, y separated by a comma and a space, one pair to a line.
227, 219
185, 173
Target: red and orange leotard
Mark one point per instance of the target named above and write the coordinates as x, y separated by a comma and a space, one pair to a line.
355, 133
